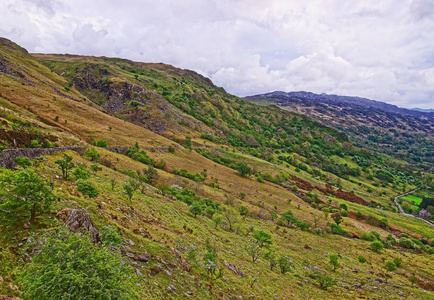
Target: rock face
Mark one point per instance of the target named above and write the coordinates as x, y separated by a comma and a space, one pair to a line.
234, 269
77, 219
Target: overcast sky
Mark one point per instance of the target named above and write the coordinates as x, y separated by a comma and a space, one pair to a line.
382, 50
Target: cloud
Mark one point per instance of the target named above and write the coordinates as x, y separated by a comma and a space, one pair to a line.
376, 49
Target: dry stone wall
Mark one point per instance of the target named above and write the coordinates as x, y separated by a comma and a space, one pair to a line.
7, 156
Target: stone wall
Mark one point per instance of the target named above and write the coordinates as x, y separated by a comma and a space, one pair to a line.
7, 156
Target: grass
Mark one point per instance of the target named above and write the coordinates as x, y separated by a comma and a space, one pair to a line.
413, 199
157, 224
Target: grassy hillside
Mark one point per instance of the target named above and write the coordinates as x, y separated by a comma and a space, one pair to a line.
207, 178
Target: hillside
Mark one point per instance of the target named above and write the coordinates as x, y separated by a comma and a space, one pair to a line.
402, 133
215, 198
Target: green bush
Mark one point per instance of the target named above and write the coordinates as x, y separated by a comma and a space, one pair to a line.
91, 154
87, 188
390, 266
368, 237
47, 144
34, 144
361, 259
398, 261
336, 229
23, 162
377, 246
100, 143
72, 267
110, 236
80, 172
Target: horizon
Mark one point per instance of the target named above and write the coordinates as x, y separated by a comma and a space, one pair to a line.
380, 51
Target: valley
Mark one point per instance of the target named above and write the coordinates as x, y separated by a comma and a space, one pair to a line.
188, 191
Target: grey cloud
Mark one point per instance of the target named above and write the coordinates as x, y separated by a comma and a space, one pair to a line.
376, 49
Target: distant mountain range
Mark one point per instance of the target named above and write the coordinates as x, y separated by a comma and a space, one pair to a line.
405, 133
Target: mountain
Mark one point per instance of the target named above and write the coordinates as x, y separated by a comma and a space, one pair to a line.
424, 110
147, 181
405, 134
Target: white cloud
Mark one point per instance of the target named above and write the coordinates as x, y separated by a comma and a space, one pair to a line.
376, 49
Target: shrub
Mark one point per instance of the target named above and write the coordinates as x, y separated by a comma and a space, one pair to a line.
71, 267
334, 261
47, 144
23, 162
390, 266
196, 209
368, 237
302, 225
34, 144
80, 172
262, 238
398, 261
361, 259
284, 264
91, 154
100, 143
87, 188
171, 149
95, 168
110, 236
244, 169
406, 243
377, 246
336, 229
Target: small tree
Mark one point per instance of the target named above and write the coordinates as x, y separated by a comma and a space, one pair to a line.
230, 216
284, 264
337, 218
262, 238
129, 191
95, 168
188, 142
28, 192
289, 218
326, 211
91, 154
65, 165
377, 246
150, 173
254, 250
390, 266
113, 183
244, 169
334, 261
196, 208
217, 220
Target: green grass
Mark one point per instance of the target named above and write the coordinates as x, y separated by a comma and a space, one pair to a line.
415, 200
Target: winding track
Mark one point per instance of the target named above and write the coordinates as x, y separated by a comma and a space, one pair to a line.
401, 211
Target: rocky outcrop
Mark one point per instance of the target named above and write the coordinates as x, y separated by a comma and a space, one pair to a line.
77, 219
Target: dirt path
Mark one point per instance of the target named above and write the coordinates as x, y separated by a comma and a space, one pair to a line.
401, 211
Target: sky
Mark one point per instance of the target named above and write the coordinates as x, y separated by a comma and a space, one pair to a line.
377, 49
